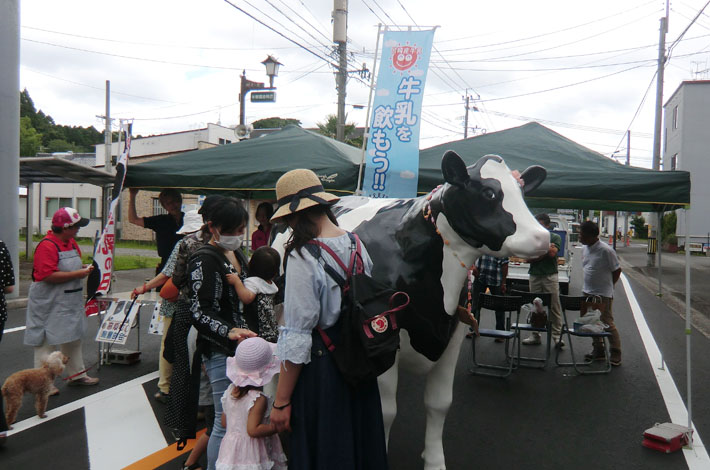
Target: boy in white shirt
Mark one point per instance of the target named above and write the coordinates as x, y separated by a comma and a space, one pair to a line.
601, 271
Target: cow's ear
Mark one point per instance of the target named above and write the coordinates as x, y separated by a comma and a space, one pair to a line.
454, 169
533, 177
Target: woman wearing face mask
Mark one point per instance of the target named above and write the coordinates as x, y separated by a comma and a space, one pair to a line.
215, 307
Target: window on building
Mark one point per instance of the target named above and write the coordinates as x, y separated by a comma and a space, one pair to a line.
221, 141
227, 141
53, 204
675, 118
157, 207
86, 207
674, 162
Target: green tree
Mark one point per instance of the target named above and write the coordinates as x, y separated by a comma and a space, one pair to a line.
274, 123
639, 225
30, 139
329, 128
670, 221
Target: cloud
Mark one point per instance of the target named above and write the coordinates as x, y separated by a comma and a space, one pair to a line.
416, 72
407, 175
382, 92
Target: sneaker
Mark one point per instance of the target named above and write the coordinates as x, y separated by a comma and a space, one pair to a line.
558, 342
615, 358
595, 355
53, 391
532, 340
86, 380
161, 397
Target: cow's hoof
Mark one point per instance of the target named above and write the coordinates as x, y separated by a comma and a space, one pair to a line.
432, 466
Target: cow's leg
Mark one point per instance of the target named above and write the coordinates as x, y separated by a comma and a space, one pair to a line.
437, 400
387, 383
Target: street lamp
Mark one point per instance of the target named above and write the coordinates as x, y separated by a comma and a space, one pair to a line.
272, 70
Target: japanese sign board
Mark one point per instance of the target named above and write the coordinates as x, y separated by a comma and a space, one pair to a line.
393, 146
116, 327
263, 96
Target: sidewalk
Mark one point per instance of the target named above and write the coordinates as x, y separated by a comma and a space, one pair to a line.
633, 262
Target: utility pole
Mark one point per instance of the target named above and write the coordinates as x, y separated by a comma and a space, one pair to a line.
340, 37
655, 232
628, 162
10, 131
465, 119
107, 132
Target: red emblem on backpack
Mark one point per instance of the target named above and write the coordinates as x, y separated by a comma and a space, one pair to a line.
379, 324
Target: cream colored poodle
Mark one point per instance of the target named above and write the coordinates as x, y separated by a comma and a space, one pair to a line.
36, 381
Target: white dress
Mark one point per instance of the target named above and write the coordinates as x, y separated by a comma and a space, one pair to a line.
238, 450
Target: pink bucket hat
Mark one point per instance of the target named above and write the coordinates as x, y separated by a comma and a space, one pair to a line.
253, 364
66, 217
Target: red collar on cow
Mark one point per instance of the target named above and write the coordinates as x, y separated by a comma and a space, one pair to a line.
428, 214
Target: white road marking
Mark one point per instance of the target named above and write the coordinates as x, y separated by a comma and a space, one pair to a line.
75, 405
12, 330
697, 457
129, 415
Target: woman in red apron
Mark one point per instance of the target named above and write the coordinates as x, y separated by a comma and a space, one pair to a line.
55, 305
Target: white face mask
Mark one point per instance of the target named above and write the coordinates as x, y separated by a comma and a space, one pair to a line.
229, 242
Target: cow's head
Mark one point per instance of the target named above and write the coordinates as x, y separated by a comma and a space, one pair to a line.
485, 207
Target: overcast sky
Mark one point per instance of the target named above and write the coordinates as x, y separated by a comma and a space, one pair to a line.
580, 68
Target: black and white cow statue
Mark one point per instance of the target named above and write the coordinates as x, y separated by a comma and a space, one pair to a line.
424, 246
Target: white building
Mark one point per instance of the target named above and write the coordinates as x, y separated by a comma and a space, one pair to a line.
164, 145
687, 147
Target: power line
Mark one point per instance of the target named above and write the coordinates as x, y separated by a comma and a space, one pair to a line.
279, 33
120, 41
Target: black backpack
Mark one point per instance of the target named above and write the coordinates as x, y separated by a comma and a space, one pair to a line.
369, 331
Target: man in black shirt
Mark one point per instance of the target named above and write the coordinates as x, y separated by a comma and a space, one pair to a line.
164, 225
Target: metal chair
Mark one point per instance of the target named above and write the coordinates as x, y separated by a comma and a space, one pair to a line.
586, 367
527, 298
510, 305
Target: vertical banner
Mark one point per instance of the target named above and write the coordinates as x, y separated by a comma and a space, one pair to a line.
99, 280
393, 147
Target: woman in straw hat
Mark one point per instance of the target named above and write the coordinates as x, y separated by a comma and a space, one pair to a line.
333, 425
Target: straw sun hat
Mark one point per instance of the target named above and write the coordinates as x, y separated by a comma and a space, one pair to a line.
298, 190
253, 364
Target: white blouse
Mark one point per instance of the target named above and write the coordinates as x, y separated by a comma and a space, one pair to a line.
311, 297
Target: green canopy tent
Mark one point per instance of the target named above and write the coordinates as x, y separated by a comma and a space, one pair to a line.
577, 177
250, 169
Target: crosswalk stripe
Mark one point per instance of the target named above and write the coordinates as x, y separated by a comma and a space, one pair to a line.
164, 456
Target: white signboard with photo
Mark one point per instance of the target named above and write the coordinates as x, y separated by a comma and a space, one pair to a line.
116, 327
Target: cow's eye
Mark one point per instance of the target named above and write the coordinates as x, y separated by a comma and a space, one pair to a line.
489, 194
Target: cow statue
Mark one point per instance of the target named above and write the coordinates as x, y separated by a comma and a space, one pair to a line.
424, 247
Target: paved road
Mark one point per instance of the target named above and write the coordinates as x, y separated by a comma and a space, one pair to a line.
538, 419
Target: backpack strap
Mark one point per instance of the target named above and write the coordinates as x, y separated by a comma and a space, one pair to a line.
314, 248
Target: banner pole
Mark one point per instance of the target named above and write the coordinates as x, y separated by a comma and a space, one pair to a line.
366, 134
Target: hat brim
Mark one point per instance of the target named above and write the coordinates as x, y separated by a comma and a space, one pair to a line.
82, 223
242, 378
304, 203
190, 228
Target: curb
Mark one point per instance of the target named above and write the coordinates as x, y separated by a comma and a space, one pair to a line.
20, 302
697, 319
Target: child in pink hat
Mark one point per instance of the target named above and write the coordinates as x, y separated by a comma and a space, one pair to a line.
250, 441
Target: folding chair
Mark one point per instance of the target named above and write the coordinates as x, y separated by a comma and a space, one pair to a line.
527, 298
585, 367
508, 304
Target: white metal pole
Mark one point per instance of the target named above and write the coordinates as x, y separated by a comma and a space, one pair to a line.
688, 318
366, 134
